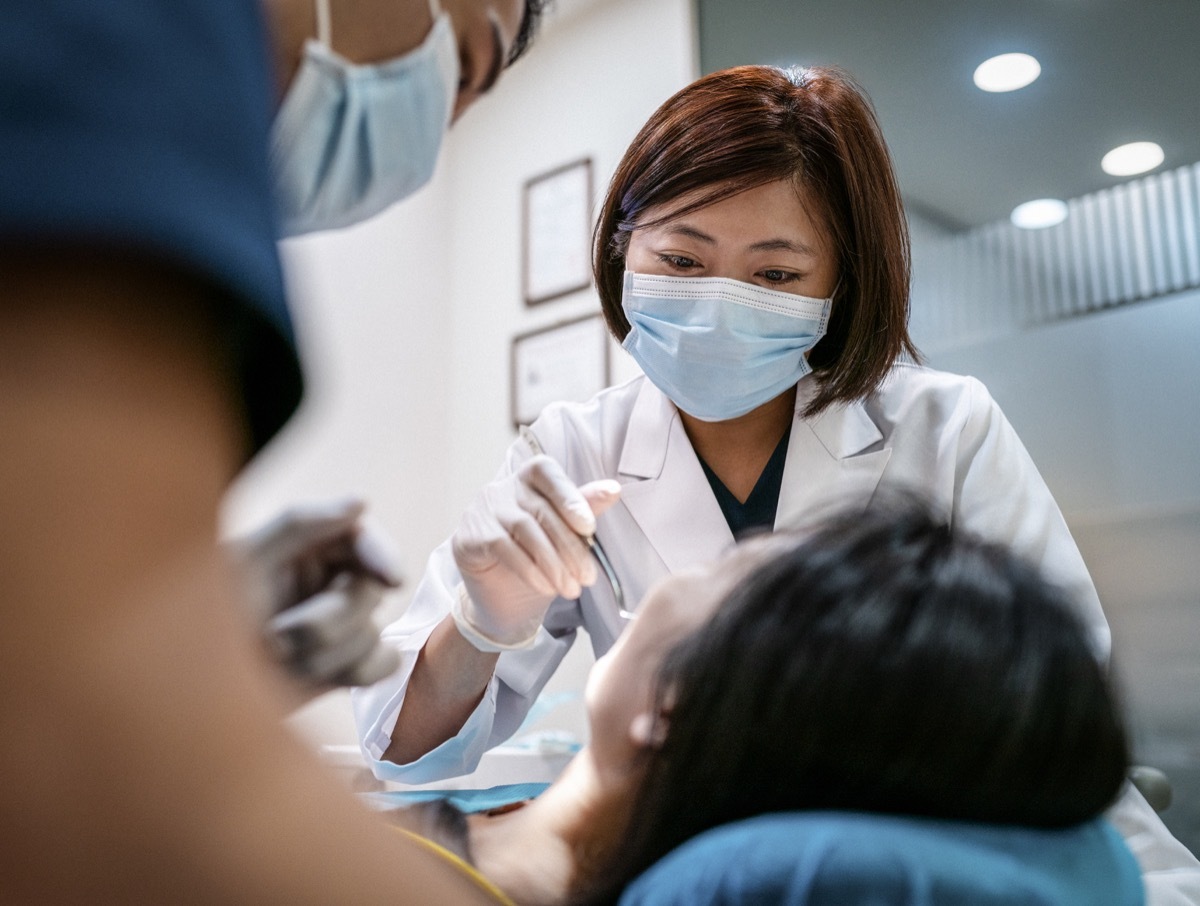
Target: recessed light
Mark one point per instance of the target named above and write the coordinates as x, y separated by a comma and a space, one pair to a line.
1131, 159
1007, 72
1039, 214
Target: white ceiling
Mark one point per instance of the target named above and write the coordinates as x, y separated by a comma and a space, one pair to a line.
1113, 71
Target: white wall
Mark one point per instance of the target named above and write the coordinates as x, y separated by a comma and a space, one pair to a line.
1107, 403
373, 420
405, 321
583, 92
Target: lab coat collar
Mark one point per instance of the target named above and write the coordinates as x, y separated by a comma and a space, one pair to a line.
842, 430
664, 487
651, 424
828, 467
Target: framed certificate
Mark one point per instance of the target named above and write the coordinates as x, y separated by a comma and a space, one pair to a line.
567, 361
556, 245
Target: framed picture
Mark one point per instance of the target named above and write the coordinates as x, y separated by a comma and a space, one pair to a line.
556, 247
567, 361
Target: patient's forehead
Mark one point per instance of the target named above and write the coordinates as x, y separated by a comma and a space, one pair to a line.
621, 684
686, 600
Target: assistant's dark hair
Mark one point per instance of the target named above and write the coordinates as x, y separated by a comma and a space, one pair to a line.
531, 19
885, 664
744, 127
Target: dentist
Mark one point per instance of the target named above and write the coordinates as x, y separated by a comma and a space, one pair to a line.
752, 255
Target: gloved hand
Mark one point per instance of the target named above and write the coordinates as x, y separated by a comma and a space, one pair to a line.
519, 545
316, 573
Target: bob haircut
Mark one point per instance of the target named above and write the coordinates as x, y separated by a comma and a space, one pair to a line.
740, 128
885, 664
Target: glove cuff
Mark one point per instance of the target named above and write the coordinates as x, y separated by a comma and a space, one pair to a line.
460, 608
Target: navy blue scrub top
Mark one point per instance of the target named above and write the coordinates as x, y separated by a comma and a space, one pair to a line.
143, 126
758, 512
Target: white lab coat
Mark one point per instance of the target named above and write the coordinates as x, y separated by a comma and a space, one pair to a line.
938, 434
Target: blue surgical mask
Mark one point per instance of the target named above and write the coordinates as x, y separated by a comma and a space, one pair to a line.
719, 348
351, 140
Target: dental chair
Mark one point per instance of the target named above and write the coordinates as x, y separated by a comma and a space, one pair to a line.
856, 859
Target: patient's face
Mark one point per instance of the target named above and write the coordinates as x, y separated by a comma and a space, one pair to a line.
621, 684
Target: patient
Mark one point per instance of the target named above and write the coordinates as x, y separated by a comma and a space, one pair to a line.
882, 663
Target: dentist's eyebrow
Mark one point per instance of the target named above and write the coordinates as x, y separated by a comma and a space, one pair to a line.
691, 233
783, 245
764, 245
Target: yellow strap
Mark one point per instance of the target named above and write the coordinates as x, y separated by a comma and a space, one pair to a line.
465, 867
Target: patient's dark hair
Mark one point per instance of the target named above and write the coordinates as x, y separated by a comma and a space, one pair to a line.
886, 663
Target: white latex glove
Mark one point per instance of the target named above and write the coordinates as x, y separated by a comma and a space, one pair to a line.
317, 572
519, 545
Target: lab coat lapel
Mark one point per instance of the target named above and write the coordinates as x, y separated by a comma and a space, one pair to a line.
826, 468
664, 487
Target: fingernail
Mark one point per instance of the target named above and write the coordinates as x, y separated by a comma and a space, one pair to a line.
586, 518
608, 487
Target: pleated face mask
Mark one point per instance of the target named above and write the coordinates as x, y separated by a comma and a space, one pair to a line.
350, 140
719, 348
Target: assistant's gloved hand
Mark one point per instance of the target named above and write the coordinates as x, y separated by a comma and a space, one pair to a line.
316, 574
519, 545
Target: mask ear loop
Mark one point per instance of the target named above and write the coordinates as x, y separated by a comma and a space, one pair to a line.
324, 23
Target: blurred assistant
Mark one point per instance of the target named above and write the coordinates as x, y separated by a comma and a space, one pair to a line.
146, 354
369, 90
315, 575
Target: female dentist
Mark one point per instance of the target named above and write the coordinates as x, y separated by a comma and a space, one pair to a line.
752, 256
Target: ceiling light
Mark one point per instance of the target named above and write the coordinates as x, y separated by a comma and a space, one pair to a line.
1039, 214
1128, 160
1007, 72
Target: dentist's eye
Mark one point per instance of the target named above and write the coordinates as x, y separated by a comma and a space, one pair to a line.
777, 276
678, 262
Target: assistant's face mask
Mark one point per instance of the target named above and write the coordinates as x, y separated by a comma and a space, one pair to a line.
350, 140
719, 348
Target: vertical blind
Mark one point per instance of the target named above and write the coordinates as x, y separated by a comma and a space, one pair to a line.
1128, 243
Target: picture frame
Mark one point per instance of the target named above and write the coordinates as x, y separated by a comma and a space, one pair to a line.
567, 361
556, 232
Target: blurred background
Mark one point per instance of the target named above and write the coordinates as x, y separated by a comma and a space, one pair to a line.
1084, 328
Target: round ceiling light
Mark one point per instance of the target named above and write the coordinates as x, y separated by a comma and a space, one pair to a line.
1131, 159
1039, 214
1007, 72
